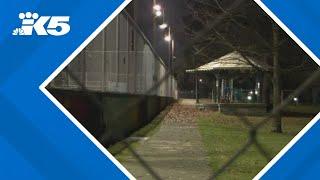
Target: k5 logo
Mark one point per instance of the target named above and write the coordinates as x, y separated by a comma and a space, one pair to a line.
57, 26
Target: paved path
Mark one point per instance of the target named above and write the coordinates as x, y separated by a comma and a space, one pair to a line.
175, 151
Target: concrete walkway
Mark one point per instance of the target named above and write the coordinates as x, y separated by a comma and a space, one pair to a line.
174, 151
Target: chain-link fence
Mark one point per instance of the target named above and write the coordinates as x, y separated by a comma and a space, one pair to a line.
121, 61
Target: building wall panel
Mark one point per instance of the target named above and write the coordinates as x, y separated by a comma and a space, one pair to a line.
119, 60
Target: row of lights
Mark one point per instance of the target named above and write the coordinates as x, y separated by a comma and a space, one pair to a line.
256, 92
158, 12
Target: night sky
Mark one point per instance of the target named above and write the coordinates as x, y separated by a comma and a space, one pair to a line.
175, 10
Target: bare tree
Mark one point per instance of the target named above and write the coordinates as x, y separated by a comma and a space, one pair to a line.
276, 78
246, 29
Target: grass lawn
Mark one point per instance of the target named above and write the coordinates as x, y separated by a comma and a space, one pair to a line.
224, 134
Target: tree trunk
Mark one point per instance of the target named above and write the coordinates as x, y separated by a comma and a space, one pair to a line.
277, 125
266, 86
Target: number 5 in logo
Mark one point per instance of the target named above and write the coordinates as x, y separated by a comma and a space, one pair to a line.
58, 25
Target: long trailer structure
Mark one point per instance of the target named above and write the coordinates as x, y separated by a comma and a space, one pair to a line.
117, 84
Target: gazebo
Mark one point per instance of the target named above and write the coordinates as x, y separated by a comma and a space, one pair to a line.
225, 70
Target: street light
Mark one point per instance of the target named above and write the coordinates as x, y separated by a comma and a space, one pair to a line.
157, 7
168, 38
163, 26
158, 13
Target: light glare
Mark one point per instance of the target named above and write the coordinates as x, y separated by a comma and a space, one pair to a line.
157, 7
158, 13
163, 26
167, 38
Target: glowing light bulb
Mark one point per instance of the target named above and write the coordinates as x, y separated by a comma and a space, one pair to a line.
163, 26
158, 13
167, 38
157, 7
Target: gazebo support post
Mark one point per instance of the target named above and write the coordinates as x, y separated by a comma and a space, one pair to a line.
196, 88
223, 84
258, 88
231, 90
212, 91
217, 89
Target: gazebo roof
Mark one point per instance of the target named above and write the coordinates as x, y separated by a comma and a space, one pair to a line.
231, 61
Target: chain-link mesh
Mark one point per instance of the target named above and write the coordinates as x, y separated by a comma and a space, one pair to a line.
103, 68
